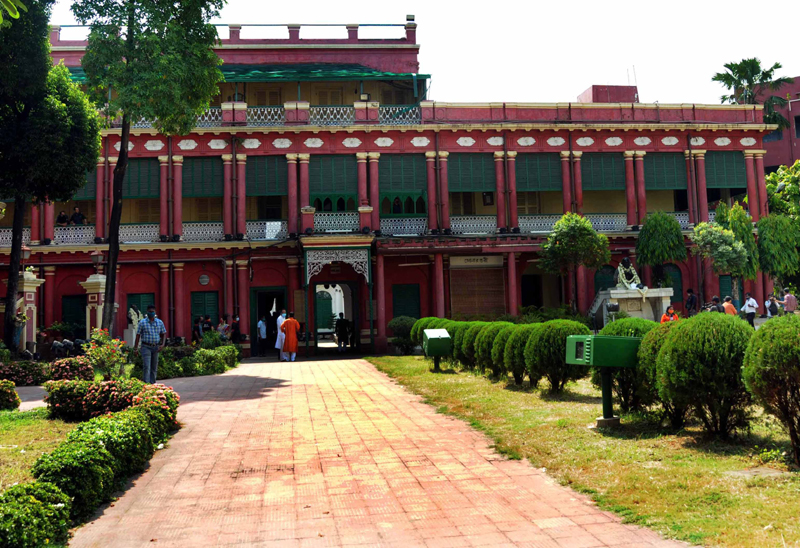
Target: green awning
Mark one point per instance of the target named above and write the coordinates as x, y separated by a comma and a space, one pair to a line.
296, 73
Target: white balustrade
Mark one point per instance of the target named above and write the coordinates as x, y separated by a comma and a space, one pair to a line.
473, 224
266, 116
75, 234
210, 118
142, 123
537, 223
139, 233
711, 216
404, 226
267, 230
332, 116
203, 232
341, 221
5, 236
683, 218
608, 222
399, 115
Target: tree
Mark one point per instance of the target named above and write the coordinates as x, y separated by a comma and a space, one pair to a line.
737, 220
748, 82
157, 57
49, 131
720, 245
13, 8
660, 242
573, 243
777, 246
783, 190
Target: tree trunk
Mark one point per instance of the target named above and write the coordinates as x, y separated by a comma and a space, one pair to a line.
113, 227
13, 272
573, 276
735, 289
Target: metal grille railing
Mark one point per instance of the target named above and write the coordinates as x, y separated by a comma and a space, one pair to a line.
608, 222
473, 224
202, 232
537, 223
711, 216
404, 226
342, 221
76, 234
266, 116
682, 217
210, 118
267, 230
142, 123
5, 236
332, 116
399, 115
139, 233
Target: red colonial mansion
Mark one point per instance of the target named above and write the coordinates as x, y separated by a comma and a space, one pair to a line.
324, 164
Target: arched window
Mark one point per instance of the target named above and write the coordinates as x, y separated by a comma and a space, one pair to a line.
386, 206
318, 204
351, 204
421, 205
327, 205
340, 204
409, 206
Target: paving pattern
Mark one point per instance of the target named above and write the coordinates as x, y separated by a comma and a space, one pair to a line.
334, 453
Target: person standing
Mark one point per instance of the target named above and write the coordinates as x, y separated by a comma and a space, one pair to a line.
772, 306
728, 306
223, 328
750, 308
691, 303
290, 328
62, 219
669, 315
789, 301
78, 218
342, 332
716, 306
261, 330
153, 334
197, 331
207, 325
236, 331
280, 338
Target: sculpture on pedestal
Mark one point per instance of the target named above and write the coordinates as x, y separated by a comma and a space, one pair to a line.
627, 278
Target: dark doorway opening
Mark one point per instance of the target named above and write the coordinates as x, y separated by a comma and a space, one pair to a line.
331, 298
267, 303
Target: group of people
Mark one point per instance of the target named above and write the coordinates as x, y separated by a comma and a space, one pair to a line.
77, 218
750, 307
227, 331
287, 340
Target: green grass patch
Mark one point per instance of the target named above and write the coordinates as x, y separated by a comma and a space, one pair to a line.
673, 482
24, 436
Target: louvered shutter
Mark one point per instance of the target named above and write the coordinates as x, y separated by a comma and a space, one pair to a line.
471, 173
141, 301
538, 172
89, 190
664, 171
725, 170
205, 302
267, 176
604, 279
603, 171
402, 173
333, 174
405, 300
675, 277
142, 179
202, 177
477, 291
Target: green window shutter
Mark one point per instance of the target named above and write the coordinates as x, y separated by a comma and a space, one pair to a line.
333, 174
202, 177
603, 171
604, 279
402, 173
142, 179
725, 170
141, 300
267, 176
674, 274
89, 190
726, 290
73, 310
664, 171
471, 173
538, 172
205, 302
405, 300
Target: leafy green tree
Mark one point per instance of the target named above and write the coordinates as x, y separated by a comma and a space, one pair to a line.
573, 243
783, 190
738, 221
49, 131
157, 57
660, 242
778, 237
12, 7
749, 83
728, 256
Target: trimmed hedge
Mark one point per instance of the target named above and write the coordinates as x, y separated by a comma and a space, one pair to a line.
514, 355
419, 326
209, 362
772, 373
9, 399
545, 354
82, 400
674, 409
628, 383
71, 369
701, 360
33, 515
484, 343
182, 361
468, 343
401, 327
499, 348
459, 330
25, 373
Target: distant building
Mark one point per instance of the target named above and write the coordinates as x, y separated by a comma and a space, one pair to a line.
783, 146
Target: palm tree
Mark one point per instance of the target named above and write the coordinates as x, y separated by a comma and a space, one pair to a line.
13, 8
747, 81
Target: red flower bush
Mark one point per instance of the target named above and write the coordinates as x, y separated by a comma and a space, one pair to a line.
72, 369
8, 396
25, 373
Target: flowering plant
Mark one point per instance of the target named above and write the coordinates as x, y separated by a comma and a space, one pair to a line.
105, 354
24, 373
8, 396
68, 369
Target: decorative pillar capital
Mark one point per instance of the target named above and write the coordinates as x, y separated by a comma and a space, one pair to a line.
291, 158
430, 155
304, 158
499, 155
628, 154
177, 266
241, 158
758, 153
101, 161
293, 262
113, 159
242, 263
639, 154
373, 156
511, 155
443, 154
177, 159
699, 154
308, 210
361, 157
229, 263
564, 154
577, 156
227, 158
163, 267
49, 271
163, 160
748, 154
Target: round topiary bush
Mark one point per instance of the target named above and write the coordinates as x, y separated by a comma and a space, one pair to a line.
499, 349
484, 344
72, 369
514, 355
674, 410
628, 385
34, 514
701, 363
546, 352
401, 327
459, 330
772, 373
25, 373
468, 343
419, 326
9, 400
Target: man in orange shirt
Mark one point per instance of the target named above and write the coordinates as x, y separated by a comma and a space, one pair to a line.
728, 306
290, 328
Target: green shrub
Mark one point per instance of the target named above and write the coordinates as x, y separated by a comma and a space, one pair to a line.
229, 355
674, 410
484, 343
419, 326
9, 399
514, 357
772, 373
25, 373
499, 348
701, 361
545, 354
72, 369
628, 384
209, 362
457, 336
188, 365
468, 343
401, 327
5, 355
82, 400
33, 515
211, 340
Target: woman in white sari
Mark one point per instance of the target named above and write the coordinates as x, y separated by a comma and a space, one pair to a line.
281, 336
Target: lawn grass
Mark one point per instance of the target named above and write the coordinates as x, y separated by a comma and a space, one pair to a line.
673, 482
24, 436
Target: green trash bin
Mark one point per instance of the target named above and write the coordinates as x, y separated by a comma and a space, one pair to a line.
436, 343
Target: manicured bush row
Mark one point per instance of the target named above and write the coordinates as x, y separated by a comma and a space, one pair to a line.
8, 396
545, 354
514, 353
33, 515
25, 373
499, 347
82, 400
484, 343
187, 362
673, 409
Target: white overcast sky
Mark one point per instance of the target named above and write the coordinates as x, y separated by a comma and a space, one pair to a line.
550, 51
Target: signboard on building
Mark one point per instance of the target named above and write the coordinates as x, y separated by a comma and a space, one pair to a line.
479, 261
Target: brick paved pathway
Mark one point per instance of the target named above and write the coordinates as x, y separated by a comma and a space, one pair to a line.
333, 453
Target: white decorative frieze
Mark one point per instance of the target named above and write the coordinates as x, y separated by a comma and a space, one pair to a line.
465, 141
556, 141
217, 144
352, 142
642, 141
747, 141
187, 144
153, 145
722, 141
384, 141
669, 141
526, 141
420, 141
313, 142
584, 141
251, 143
118, 144
495, 141
281, 143
697, 141
613, 141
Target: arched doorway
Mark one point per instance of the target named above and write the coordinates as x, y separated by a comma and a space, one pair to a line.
604, 279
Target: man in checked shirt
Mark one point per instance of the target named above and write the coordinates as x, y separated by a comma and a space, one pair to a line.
152, 333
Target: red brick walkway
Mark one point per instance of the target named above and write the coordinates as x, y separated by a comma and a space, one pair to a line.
334, 453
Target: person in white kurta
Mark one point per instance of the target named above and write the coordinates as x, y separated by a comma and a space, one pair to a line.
281, 337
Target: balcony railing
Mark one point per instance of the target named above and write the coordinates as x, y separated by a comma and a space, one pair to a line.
342, 221
404, 226
267, 230
608, 222
265, 116
473, 224
76, 234
5, 236
202, 232
341, 115
532, 224
682, 217
400, 115
211, 118
139, 233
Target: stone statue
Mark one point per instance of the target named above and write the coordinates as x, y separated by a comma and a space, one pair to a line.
134, 316
627, 278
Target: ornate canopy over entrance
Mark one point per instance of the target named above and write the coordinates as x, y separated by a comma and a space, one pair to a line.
352, 250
